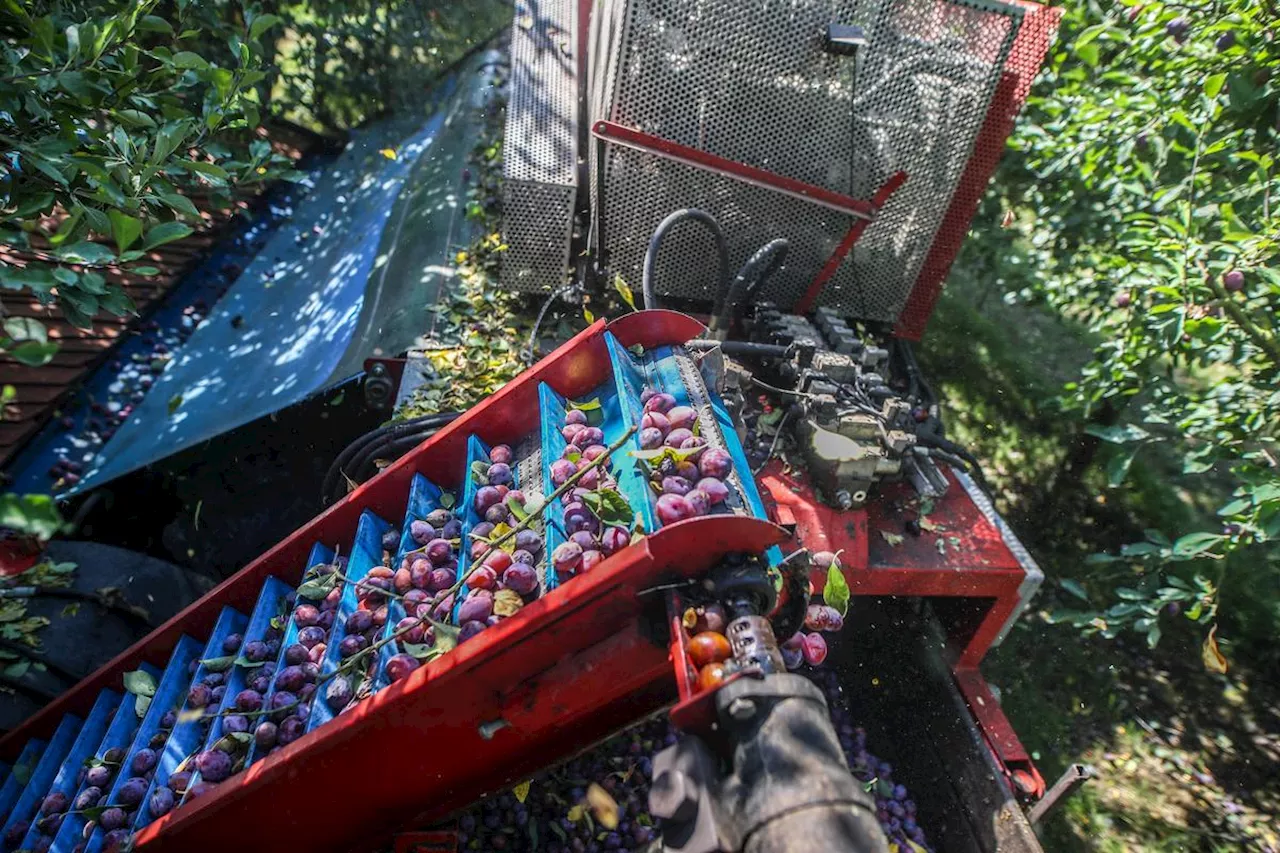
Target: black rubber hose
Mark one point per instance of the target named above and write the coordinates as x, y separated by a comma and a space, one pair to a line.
742, 348
655, 242
747, 282
388, 448
332, 477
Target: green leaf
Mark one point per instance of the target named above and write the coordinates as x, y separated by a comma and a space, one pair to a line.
135, 118
422, 652
245, 663
1213, 84
187, 59
624, 291
177, 202
25, 329
140, 683
1117, 434
261, 24
174, 403
32, 515
154, 24
86, 253
1153, 635
219, 664
480, 471
166, 232
447, 500
1196, 543
140, 705
216, 175
125, 229
1074, 588
317, 588
836, 591
34, 353
1119, 463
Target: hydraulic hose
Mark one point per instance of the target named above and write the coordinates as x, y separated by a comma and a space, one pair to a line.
655, 242
392, 448
747, 283
332, 478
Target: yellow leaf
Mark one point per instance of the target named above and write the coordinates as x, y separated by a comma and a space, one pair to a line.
389, 153
575, 813
624, 290
522, 790
1209, 653
916, 848
461, 258
929, 526
603, 806
588, 316
690, 618
891, 538
262, 170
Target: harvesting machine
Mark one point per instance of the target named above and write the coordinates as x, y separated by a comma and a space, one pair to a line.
635, 524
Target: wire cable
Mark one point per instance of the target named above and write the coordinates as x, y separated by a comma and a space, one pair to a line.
531, 347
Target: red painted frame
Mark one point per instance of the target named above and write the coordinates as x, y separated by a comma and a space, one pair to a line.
618, 134
979, 566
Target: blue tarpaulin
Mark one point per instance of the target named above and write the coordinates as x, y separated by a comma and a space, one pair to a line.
352, 274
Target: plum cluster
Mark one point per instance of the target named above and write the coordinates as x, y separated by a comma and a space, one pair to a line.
361, 630
706, 644
687, 475
507, 579
895, 809
283, 707
422, 580
116, 817
554, 816
586, 515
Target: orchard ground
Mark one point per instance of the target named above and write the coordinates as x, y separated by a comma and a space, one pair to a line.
1186, 758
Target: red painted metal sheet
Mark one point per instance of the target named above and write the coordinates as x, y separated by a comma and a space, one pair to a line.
582, 661
620, 135
953, 517
656, 327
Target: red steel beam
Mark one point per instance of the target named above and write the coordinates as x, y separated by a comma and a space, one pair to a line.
621, 135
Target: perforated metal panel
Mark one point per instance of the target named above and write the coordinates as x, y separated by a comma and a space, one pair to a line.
540, 146
752, 83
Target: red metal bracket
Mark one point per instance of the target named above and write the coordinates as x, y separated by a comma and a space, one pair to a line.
656, 145
1003, 741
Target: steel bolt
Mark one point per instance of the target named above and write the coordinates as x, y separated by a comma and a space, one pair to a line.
844, 500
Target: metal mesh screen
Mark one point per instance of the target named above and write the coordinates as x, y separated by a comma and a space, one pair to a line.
1029, 48
753, 84
540, 145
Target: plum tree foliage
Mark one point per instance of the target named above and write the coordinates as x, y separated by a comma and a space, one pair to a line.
115, 118
1145, 174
